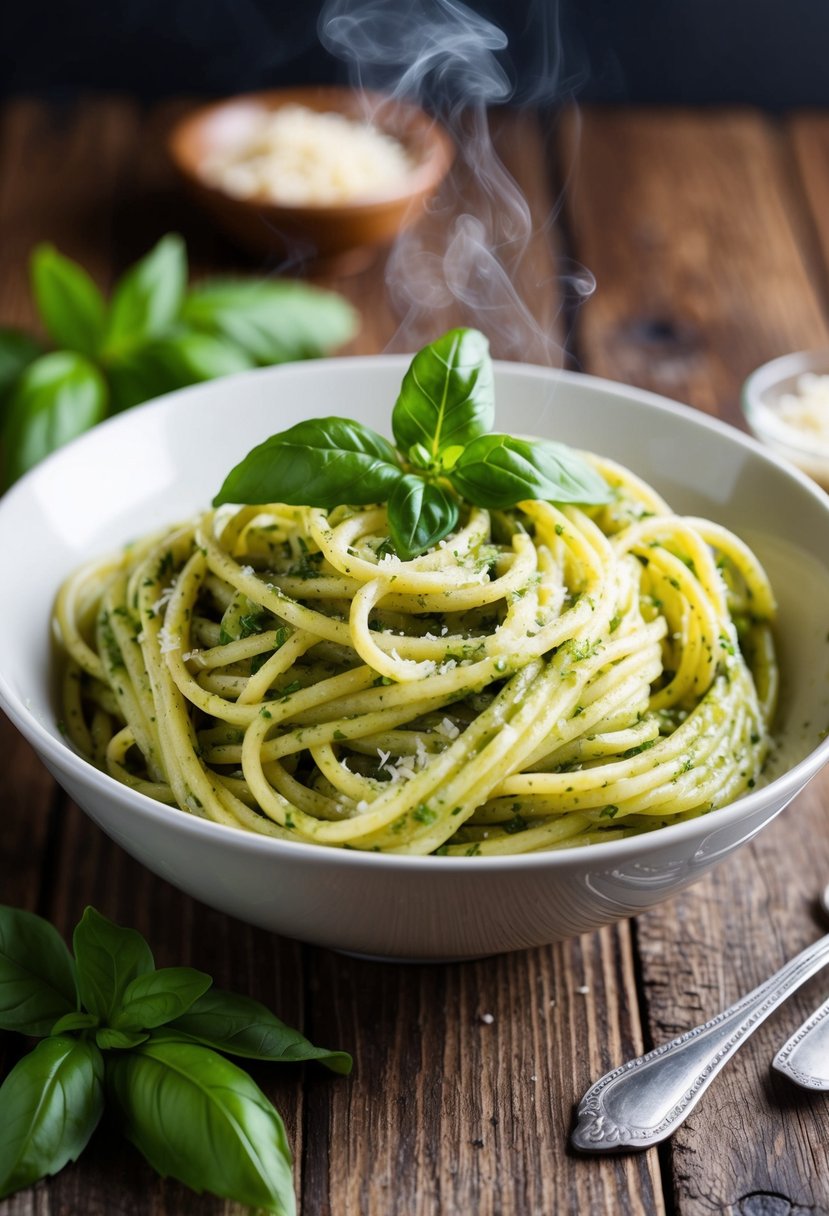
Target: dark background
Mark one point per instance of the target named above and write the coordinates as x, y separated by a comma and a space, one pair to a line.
772, 53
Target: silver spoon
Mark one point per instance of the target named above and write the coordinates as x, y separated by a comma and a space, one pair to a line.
805, 1058
645, 1100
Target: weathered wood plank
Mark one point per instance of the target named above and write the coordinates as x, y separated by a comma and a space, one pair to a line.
754, 1135
808, 140
684, 218
464, 1081
46, 193
736, 286
62, 170
693, 227
81, 180
448, 1112
406, 1130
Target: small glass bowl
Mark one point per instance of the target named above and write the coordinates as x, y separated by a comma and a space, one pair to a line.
761, 401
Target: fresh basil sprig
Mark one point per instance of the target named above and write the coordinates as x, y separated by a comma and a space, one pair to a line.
114, 1028
444, 455
154, 335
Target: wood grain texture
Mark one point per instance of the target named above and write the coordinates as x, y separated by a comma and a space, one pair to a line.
686, 220
808, 142
62, 173
464, 1081
700, 243
708, 237
448, 1113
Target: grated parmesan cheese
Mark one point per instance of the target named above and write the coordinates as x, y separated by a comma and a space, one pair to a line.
807, 409
167, 641
447, 728
798, 422
295, 156
163, 600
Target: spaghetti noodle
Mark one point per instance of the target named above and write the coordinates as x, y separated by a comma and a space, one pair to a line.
545, 677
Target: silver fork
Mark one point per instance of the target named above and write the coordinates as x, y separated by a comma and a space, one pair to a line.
645, 1100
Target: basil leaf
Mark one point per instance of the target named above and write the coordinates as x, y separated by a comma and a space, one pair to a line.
148, 298
199, 1118
37, 975
136, 376
77, 1020
71, 306
108, 959
159, 996
447, 397
192, 357
499, 471
243, 1027
109, 1039
51, 1102
323, 462
272, 322
421, 513
57, 398
17, 351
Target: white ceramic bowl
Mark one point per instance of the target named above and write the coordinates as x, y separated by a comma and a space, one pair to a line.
165, 460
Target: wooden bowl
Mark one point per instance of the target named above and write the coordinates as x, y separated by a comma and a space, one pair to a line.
312, 232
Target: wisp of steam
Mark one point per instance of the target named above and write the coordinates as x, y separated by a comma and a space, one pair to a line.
472, 254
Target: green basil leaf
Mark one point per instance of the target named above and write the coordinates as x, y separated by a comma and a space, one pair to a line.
78, 1020
57, 398
51, 1102
169, 363
71, 306
136, 376
159, 996
37, 974
324, 462
148, 298
198, 1118
192, 357
499, 471
274, 321
421, 513
109, 1039
17, 351
108, 959
447, 397
242, 1027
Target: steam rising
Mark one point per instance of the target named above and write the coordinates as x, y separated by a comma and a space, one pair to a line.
472, 253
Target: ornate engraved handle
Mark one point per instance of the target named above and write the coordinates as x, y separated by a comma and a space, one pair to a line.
645, 1100
805, 1058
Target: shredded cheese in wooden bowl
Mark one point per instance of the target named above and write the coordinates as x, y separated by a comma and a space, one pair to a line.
298, 156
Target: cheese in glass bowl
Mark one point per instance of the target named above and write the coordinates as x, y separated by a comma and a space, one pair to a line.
786, 405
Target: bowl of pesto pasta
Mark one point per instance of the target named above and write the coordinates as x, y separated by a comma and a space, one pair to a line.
421, 658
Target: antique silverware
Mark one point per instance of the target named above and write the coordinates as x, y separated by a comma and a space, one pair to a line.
645, 1100
805, 1058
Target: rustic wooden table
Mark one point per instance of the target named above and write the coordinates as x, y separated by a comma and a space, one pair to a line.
708, 234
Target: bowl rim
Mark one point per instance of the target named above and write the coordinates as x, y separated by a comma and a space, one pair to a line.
65, 759
425, 175
771, 375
